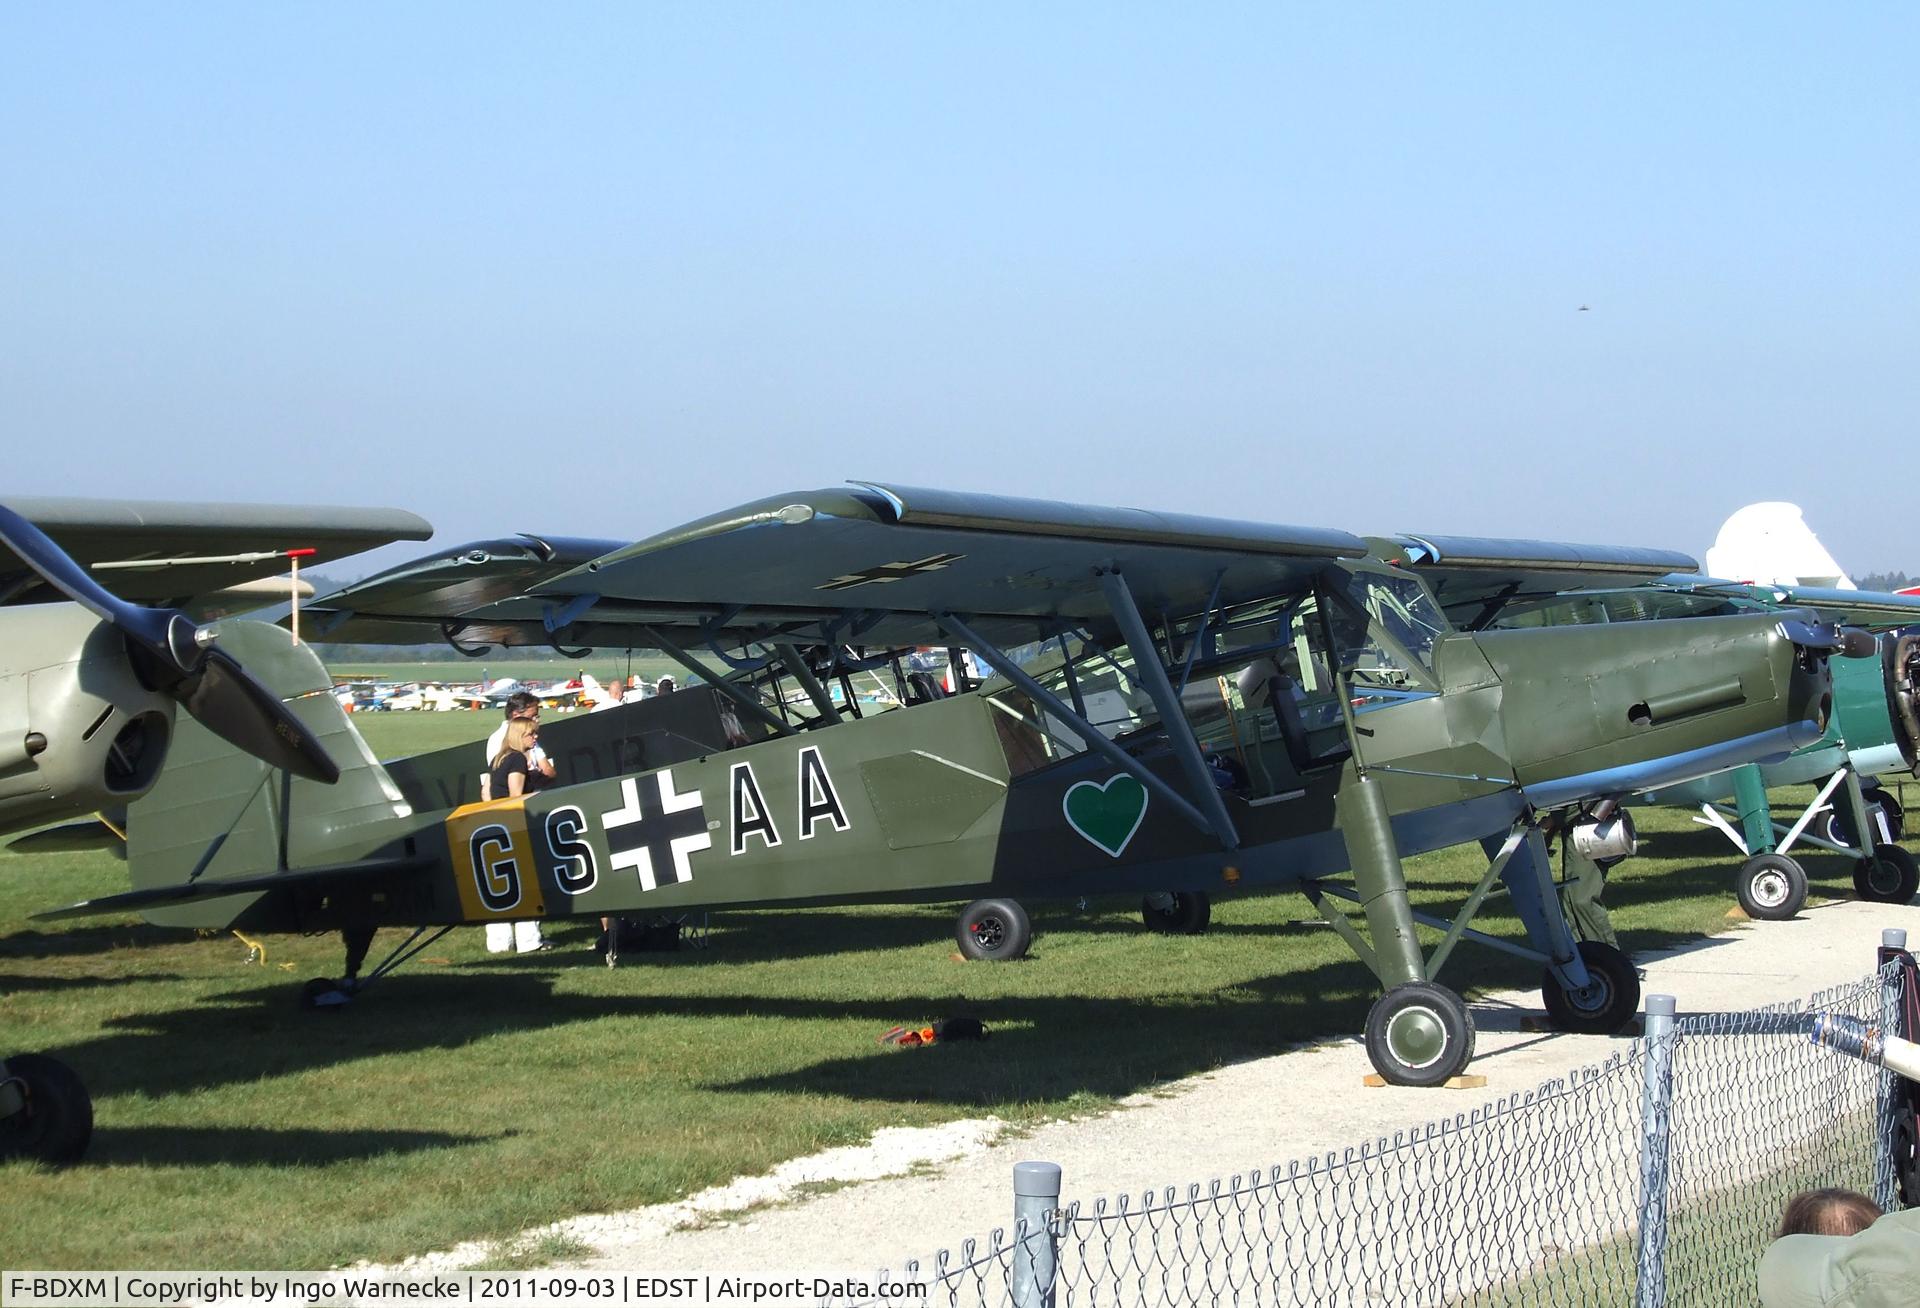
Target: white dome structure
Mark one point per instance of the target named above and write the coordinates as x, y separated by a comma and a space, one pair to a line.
1771, 544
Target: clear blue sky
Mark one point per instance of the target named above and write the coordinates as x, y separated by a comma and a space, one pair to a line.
599, 270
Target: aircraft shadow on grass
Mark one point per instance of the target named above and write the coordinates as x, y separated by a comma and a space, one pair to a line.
191, 1146
28, 942
1042, 1046
16, 984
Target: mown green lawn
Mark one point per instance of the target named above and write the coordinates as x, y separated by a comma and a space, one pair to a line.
472, 1096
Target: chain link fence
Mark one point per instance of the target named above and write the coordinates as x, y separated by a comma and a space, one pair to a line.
1655, 1177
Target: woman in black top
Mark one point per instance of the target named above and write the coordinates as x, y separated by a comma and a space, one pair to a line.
510, 774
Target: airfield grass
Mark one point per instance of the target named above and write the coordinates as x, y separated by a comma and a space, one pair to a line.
472, 1096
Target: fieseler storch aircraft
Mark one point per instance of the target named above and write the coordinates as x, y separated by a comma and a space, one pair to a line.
90, 685
1207, 707
1874, 727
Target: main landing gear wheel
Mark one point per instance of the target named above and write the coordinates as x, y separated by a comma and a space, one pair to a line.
1887, 876
1610, 1000
57, 1122
1419, 1034
1771, 887
1183, 913
1906, 1159
1839, 823
997, 930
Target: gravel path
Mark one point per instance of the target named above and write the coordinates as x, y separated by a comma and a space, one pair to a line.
953, 1182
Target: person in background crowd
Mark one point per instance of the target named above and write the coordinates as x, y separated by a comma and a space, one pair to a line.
612, 694
665, 687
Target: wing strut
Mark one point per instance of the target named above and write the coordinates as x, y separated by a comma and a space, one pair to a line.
751, 703
1095, 739
808, 682
1153, 674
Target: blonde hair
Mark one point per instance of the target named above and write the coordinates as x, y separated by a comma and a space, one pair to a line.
520, 734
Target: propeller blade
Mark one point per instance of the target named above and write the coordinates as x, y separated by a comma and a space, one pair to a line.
235, 707
167, 634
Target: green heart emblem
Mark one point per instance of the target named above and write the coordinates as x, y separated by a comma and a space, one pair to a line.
1108, 814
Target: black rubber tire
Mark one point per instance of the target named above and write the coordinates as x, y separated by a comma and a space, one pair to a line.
1187, 916
1890, 876
1419, 1034
1606, 1007
994, 930
1896, 817
1771, 887
1839, 823
1906, 1158
57, 1122
324, 994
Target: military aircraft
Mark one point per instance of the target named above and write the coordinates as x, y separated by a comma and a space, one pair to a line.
1875, 725
89, 685
1207, 707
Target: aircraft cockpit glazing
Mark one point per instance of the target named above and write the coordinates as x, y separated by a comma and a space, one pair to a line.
1263, 686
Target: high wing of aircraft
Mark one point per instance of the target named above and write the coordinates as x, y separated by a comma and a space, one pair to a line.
1205, 707
1874, 727
189, 556
89, 685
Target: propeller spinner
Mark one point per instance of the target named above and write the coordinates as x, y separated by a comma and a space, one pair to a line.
178, 659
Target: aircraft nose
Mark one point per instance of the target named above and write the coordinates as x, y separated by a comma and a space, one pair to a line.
1591, 711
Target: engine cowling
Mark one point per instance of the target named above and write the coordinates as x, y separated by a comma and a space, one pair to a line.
79, 731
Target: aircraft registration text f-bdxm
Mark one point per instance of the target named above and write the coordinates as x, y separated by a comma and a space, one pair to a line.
1182, 707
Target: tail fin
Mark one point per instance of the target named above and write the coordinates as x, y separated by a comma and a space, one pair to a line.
218, 813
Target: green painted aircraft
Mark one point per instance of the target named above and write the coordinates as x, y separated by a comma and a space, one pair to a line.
1181, 707
1874, 728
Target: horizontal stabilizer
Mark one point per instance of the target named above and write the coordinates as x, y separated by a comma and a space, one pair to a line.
71, 838
377, 869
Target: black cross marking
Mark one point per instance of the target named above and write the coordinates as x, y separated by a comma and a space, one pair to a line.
656, 829
899, 571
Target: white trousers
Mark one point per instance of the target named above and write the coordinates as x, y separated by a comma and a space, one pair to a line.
521, 937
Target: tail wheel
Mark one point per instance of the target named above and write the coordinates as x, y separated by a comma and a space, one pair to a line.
57, 1121
1771, 887
1181, 914
1887, 876
1419, 1034
1609, 1001
997, 930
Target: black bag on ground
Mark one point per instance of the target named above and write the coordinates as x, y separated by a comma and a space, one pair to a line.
637, 937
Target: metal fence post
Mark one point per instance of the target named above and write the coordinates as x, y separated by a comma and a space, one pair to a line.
1036, 1256
1886, 1190
1656, 1121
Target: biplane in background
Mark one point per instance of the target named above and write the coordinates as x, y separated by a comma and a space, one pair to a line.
1874, 728
1207, 707
88, 690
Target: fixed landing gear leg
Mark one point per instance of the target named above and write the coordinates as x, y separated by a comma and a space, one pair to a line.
1756, 815
1589, 985
1418, 1033
1884, 873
